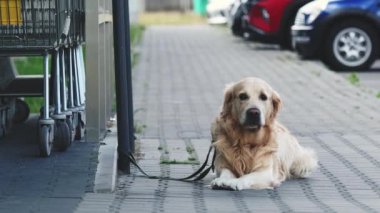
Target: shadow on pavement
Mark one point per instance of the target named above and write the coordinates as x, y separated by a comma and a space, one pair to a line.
29, 183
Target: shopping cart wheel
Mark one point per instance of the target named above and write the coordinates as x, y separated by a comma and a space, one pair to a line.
62, 139
80, 127
80, 130
2, 131
22, 111
45, 133
70, 123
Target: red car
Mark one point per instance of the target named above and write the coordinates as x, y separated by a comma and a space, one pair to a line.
270, 21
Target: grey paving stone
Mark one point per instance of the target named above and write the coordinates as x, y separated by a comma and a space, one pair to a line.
178, 85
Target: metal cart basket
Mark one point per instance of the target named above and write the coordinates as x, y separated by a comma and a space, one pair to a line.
52, 28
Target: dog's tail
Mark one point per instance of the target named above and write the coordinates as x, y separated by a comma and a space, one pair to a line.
304, 164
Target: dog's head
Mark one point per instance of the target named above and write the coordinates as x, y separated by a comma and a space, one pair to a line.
251, 102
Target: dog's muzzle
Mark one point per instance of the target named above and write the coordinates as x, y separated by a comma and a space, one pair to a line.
253, 118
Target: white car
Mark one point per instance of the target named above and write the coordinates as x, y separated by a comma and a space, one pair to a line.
218, 11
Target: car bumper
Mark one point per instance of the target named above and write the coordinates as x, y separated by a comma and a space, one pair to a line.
302, 40
257, 34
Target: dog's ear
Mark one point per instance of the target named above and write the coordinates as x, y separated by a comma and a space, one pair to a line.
276, 101
228, 98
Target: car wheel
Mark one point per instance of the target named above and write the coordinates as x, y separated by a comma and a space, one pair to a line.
351, 45
286, 36
236, 27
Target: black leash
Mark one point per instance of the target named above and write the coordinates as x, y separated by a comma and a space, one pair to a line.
197, 175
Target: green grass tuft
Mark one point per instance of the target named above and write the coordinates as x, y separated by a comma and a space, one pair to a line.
139, 128
191, 158
189, 149
353, 78
136, 33
174, 161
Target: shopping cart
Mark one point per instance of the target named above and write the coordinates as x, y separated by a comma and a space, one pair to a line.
52, 28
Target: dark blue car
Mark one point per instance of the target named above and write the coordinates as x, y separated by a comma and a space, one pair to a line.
345, 34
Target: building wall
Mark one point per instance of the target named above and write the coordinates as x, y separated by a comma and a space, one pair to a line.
99, 68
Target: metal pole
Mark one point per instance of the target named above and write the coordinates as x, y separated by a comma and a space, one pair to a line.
123, 82
129, 79
46, 114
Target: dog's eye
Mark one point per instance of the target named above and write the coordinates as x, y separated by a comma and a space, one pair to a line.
263, 97
243, 96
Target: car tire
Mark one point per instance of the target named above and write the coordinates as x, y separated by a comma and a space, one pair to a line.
237, 24
236, 28
351, 46
286, 35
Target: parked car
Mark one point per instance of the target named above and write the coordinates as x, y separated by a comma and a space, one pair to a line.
344, 34
217, 11
270, 21
235, 17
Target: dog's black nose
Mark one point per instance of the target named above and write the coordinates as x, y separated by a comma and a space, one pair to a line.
253, 117
253, 112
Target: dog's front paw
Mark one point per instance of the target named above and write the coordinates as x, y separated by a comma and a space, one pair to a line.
223, 184
239, 184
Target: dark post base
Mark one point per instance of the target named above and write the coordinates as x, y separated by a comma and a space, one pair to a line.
123, 163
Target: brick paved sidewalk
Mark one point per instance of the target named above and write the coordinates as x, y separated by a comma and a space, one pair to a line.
178, 88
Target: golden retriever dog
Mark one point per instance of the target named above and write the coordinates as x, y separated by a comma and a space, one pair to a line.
253, 150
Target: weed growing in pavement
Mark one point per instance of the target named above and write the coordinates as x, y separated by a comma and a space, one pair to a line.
353, 78
136, 32
378, 95
165, 158
189, 149
174, 161
316, 73
135, 58
139, 128
191, 158
164, 149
